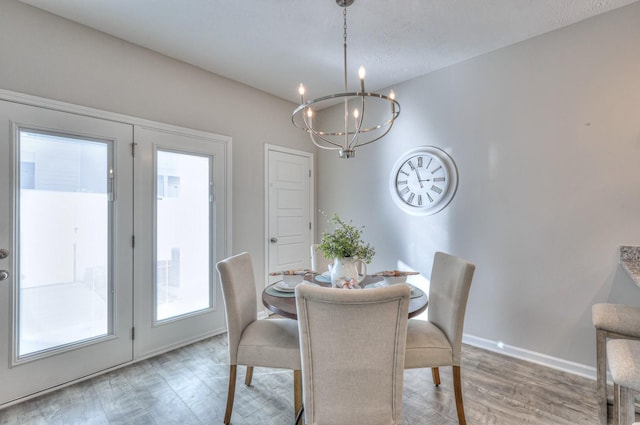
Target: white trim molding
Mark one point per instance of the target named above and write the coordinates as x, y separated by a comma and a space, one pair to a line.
531, 356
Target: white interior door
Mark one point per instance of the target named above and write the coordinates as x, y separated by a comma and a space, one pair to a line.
181, 219
289, 208
65, 230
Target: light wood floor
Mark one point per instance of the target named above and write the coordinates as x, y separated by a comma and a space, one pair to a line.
188, 386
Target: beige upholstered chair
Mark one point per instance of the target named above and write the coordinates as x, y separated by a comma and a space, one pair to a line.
624, 363
352, 344
265, 343
319, 262
438, 341
612, 321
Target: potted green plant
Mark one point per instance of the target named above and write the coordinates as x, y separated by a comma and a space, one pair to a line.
345, 245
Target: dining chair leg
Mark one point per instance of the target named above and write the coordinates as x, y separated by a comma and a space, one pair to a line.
297, 391
616, 404
232, 389
627, 413
248, 376
435, 374
601, 375
299, 416
457, 389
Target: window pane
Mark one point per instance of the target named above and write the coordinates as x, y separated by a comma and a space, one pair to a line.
183, 234
63, 287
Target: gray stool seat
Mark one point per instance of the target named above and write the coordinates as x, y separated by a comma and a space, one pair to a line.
624, 363
612, 321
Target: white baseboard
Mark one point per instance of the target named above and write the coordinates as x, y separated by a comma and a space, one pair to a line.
531, 356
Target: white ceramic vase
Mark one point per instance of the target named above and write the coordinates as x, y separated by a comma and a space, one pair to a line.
347, 269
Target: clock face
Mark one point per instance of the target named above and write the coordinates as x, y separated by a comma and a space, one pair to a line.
424, 180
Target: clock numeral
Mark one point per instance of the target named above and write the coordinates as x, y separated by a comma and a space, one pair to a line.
410, 199
429, 163
430, 198
438, 179
402, 182
419, 199
436, 170
419, 162
404, 191
413, 167
436, 189
405, 173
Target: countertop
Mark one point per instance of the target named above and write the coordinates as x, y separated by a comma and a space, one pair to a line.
630, 261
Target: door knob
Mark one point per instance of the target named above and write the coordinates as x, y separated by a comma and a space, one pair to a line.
274, 240
4, 253
4, 275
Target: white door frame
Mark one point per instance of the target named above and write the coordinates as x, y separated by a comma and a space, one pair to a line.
312, 197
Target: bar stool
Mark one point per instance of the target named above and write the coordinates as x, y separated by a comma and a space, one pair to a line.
624, 363
612, 321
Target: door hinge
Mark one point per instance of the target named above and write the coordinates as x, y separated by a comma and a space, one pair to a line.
133, 241
133, 333
309, 173
133, 149
309, 225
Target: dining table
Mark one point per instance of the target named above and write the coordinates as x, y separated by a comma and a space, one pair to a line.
284, 303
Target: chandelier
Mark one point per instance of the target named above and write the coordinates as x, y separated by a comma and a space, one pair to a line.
356, 131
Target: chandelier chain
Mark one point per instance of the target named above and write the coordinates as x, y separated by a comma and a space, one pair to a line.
344, 27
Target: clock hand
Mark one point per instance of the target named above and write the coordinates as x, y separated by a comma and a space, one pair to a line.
419, 179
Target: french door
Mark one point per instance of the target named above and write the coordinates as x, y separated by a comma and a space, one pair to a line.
180, 235
109, 236
65, 231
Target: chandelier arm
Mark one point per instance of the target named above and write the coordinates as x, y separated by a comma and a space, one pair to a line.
354, 139
329, 148
377, 138
313, 133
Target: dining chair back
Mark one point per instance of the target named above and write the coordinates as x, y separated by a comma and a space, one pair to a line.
270, 343
437, 341
352, 345
612, 321
319, 262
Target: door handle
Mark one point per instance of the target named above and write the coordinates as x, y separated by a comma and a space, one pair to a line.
274, 240
4, 253
4, 275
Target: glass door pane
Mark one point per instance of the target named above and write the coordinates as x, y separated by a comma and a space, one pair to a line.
64, 294
183, 276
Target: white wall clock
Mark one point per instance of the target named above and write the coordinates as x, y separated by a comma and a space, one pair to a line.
424, 180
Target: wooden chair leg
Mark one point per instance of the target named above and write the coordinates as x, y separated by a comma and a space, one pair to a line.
616, 404
601, 375
435, 374
231, 393
297, 391
457, 389
627, 413
299, 416
248, 376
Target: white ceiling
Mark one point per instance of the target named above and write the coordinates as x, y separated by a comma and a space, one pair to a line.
273, 45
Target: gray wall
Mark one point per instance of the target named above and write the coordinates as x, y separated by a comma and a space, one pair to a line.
546, 136
47, 56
